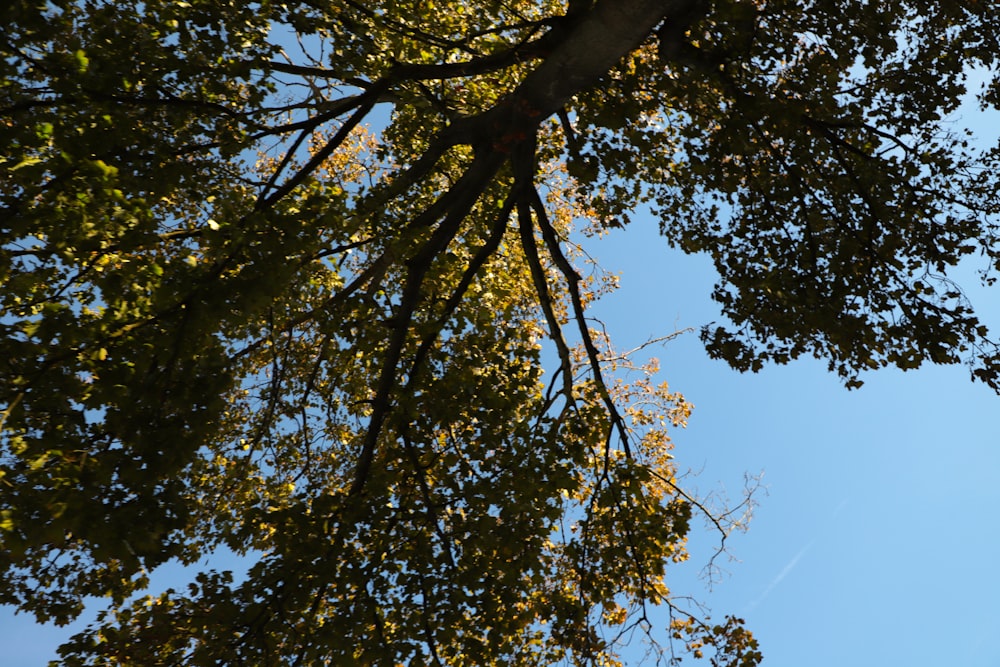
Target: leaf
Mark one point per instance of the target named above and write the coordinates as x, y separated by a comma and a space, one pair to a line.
82, 61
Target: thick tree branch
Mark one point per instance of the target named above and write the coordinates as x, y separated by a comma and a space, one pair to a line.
573, 285
458, 201
471, 272
527, 229
597, 42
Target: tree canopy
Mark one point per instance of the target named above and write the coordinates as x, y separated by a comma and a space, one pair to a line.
283, 278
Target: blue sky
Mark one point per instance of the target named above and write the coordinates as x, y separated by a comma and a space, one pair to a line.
874, 543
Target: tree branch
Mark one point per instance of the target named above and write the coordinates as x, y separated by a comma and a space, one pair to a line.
458, 201
573, 283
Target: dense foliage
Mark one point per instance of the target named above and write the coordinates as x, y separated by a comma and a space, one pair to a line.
280, 277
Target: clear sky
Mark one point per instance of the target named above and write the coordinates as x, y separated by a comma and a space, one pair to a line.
875, 543
875, 540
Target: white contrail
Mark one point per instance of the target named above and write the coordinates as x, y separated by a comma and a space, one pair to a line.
795, 560
781, 575
840, 507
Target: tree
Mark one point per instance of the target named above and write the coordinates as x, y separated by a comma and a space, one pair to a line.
278, 277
